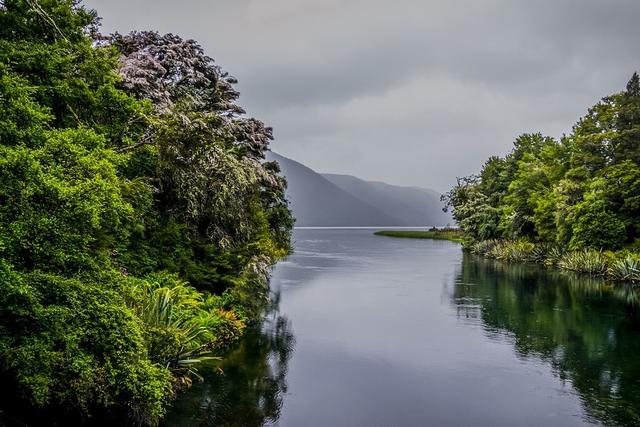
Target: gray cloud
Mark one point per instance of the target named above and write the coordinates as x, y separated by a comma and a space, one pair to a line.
409, 92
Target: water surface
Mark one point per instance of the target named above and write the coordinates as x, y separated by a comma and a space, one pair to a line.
376, 331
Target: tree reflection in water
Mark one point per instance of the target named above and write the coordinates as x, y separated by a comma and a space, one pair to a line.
246, 388
588, 331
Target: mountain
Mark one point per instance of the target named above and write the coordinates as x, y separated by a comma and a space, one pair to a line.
317, 202
413, 205
328, 200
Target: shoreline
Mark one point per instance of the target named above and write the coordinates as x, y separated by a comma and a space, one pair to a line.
451, 235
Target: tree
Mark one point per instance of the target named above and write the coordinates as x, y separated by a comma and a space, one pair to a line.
123, 187
528, 208
626, 144
595, 226
580, 192
206, 159
471, 210
621, 192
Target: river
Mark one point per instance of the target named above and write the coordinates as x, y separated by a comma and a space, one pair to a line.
378, 331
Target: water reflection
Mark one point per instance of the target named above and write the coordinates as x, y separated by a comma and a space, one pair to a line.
395, 332
245, 389
587, 330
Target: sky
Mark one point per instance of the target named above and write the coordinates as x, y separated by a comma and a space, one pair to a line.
410, 92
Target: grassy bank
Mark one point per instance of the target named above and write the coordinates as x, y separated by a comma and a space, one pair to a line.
613, 265
621, 265
446, 234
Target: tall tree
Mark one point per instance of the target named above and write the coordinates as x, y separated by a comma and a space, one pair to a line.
626, 144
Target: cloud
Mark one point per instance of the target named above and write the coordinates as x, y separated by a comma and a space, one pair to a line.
410, 92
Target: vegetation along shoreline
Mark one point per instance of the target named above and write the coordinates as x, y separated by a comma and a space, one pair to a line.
621, 266
451, 234
572, 203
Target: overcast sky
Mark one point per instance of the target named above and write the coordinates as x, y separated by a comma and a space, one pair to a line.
411, 92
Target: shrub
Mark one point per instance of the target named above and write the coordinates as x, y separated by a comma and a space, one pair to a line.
62, 203
484, 247
627, 268
512, 251
554, 255
519, 251
181, 327
585, 261
74, 344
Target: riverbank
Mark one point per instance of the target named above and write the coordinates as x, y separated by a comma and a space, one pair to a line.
446, 234
623, 266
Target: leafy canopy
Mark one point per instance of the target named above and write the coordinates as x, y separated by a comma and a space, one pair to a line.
138, 218
582, 191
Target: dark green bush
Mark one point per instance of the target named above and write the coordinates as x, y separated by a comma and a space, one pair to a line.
74, 344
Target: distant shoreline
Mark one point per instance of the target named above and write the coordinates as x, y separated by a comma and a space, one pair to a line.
368, 227
453, 235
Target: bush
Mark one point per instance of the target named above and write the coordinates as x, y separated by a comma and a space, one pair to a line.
520, 251
596, 228
70, 343
62, 204
585, 261
483, 247
512, 251
554, 255
181, 327
627, 268
623, 266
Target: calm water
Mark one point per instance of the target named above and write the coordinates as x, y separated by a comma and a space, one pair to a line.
375, 331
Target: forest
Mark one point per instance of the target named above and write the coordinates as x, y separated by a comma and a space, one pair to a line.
572, 202
138, 217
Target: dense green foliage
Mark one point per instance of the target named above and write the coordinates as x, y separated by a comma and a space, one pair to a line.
618, 265
454, 235
581, 192
138, 219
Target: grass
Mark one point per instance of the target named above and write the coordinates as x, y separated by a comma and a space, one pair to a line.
445, 234
622, 266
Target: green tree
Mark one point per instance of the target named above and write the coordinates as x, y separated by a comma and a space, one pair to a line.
471, 210
626, 145
129, 177
531, 180
580, 192
595, 226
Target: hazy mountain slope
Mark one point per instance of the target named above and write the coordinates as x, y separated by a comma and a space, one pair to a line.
413, 205
318, 202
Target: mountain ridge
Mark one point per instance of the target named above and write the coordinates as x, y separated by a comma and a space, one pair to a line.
415, 206
316, 201
332, 200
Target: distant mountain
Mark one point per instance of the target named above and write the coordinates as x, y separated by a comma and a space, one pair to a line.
341, 200
412, 205
317, 202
